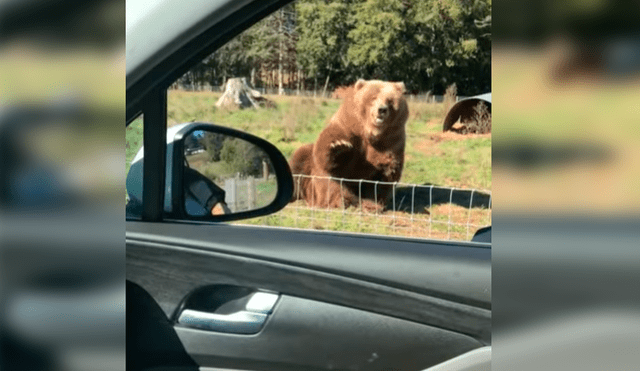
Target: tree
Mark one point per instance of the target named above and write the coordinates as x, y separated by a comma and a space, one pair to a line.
451, 44
428, 44
323, 28
242, 157
212, 143
272, 47
377, 43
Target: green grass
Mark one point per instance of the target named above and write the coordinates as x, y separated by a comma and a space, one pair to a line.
435, 226
431, 157
297, 121
133, 140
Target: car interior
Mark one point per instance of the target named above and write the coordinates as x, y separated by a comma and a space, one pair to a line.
207, 295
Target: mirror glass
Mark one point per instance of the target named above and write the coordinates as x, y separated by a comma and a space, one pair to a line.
225, 174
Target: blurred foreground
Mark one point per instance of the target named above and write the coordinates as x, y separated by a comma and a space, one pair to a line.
61, 180
566, 185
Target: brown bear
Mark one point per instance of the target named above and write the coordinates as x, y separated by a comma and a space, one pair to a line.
364, 139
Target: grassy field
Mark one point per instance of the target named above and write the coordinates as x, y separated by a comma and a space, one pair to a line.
133, 141
432, 158
445, 221
592, 111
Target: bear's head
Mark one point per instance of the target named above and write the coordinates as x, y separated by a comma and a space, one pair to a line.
382, 105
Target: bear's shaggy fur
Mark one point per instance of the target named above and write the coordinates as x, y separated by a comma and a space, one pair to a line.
364, 139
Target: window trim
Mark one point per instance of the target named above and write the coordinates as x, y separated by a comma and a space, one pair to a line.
154, 145
148, 96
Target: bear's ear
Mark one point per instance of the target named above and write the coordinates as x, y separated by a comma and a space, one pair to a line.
359, 84
400, 87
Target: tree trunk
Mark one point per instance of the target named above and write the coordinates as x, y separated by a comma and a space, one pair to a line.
324, 91
281, 53
253, 76
280, 72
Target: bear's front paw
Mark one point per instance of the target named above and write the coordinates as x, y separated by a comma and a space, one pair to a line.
390, 172
391, 169
341, 144
340, 147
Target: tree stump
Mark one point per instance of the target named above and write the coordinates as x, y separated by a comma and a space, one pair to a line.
239, 93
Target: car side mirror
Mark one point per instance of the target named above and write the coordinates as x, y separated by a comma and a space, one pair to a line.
215, 173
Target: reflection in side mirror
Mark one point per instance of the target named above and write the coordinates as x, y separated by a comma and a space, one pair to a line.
225, 174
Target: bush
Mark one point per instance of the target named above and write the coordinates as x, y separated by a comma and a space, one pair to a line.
449, 98
213, 144
481, 123
242, 157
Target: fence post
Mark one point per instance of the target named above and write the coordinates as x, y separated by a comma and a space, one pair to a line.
469, 215
230, 187
265, 170
251, 185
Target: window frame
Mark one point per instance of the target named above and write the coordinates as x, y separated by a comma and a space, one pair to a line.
147, 95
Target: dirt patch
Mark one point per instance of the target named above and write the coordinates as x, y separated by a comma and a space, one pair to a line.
429, 145
449, 136
445, 136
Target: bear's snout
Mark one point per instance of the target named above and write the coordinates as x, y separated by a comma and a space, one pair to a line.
383, 113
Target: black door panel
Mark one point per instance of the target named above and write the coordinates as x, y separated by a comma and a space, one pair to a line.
314, 336
455, 271
171, 270
151, 340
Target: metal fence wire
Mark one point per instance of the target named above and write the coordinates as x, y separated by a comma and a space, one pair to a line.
413, 210
421, 97
249, 193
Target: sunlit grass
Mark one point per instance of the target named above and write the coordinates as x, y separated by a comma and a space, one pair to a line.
431, 157
446, 221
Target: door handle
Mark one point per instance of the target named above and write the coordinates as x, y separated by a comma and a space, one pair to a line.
248, 320
235, 323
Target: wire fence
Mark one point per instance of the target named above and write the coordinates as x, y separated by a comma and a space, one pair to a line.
422, 97
426, 211
249, 193
410, 210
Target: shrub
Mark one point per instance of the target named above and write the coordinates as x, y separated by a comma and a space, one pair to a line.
449, 98
481, 122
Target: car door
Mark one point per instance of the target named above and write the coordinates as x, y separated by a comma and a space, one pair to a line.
220, 296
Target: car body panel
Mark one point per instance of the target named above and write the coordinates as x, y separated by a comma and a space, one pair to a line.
459, 272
